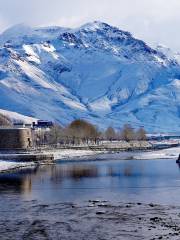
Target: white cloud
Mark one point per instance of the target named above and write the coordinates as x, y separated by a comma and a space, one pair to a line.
152, 20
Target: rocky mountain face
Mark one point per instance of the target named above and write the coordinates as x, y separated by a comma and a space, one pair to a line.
96, 72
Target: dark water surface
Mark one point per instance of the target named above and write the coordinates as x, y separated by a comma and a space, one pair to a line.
115, 180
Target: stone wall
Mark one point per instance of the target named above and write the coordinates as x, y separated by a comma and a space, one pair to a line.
11, 138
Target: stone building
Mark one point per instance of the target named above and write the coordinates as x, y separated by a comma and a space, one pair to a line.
15, 138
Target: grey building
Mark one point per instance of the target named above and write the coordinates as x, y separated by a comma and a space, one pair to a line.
15, 138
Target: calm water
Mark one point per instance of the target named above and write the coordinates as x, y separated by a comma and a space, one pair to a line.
155, 181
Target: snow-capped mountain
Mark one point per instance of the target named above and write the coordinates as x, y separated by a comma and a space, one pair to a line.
96, 72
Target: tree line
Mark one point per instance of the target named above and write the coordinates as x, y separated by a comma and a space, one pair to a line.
83, 132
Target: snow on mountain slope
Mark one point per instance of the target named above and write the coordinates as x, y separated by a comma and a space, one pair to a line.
16, 117
96, 72
169, 53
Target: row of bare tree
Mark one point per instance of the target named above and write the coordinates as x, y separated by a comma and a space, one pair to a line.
77, 132
128, 133
81, 131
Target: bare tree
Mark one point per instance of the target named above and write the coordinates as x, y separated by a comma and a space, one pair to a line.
141, 134
110, 134
128, 133
56, 134
82, 131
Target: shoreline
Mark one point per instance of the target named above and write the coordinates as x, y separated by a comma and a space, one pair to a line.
72, 155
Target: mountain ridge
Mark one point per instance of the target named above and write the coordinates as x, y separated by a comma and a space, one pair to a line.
96, 72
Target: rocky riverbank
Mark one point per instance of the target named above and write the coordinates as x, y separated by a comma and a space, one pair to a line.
91, 220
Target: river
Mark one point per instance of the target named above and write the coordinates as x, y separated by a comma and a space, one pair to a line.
104, 198
107, 178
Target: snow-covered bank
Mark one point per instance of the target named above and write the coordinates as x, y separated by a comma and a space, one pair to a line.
71, 153
10, 165
7, 165
170, 153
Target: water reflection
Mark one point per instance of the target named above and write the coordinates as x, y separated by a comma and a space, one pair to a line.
74, 172
126, 170
22, 180
17, 182
63, 181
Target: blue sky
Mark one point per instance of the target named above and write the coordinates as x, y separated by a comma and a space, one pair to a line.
155, 21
